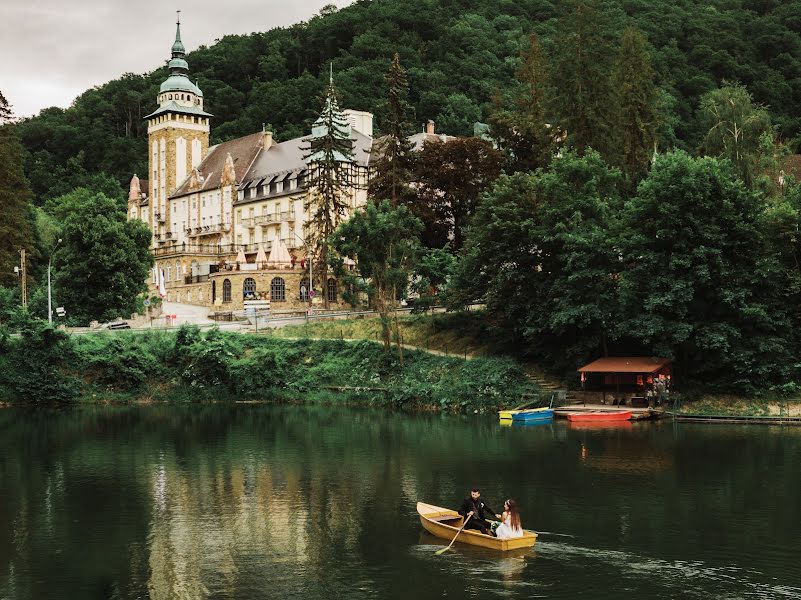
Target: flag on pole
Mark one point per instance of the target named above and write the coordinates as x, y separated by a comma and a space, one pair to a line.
162, 291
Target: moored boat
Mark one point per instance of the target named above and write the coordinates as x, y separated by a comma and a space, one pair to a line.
533, 414
444, 523
599, 416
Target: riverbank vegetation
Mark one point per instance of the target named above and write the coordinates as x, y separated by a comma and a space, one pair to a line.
46, 366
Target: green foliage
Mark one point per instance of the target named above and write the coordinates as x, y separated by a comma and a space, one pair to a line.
523, 132
449, 181
432, 275
212, 365
330, 153
636, 110
35, 367
383, 243
466, 48
737, 129
700, 283
16, 229
392, 167
104, 260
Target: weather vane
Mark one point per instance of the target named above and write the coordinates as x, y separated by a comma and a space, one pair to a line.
178, 16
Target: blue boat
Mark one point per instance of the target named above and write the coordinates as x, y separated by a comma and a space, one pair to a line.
533, 415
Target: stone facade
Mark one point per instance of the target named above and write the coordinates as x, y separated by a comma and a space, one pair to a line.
283, 287
236, 210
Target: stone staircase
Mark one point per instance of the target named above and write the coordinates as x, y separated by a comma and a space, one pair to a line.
550, 385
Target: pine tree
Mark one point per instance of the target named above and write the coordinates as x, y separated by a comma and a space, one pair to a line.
582, 94
394, 163
15, 198
523, 133
330, 158
5, 109
636, 109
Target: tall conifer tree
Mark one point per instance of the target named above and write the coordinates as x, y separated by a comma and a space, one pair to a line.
394, 165
330, 158
636, 108
582, 95
523, 132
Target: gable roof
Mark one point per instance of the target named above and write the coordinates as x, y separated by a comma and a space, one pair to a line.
243, 151
626, 364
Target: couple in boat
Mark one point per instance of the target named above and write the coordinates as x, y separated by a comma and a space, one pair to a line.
475, 511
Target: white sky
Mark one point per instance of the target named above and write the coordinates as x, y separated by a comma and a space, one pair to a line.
53, 50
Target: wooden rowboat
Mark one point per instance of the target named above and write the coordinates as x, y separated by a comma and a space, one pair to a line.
533, 414
445, 523
595, 416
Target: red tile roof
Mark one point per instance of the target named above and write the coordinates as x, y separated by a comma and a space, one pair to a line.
626, 364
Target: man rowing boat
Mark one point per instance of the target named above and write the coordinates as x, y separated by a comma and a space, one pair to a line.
477, 510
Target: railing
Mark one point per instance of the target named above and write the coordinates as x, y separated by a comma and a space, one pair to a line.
291, 243
208, 229
196, 278
269, 218
202, 249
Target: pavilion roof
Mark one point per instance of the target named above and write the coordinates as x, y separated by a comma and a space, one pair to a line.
626, 364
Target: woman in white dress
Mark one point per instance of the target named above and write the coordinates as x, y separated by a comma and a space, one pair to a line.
510, 526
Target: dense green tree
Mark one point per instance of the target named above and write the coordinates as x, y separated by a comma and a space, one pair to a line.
738, 129
450, 178
15, 211
382, 241
103, 262
699, 283
393, 166
432, 276
330, 154
541, 252
579, 202
5, 109
636, 110
523, 133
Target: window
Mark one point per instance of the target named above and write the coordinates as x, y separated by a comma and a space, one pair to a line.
227, 290
177, 270
249, 288
277, 290
332, 290
304, 291
169, 274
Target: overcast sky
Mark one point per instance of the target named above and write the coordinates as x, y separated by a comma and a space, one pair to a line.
52, 50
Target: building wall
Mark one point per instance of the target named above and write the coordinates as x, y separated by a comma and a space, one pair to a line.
201, 293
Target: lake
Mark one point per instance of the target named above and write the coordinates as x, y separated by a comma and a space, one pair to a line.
260, 501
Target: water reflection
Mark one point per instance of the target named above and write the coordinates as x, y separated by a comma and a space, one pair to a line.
281, 502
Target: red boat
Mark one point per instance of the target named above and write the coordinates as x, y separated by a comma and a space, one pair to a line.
599, 415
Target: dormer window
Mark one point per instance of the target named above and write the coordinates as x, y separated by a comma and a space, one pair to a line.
170, 96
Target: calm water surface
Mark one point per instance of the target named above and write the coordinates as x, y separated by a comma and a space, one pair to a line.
252, 501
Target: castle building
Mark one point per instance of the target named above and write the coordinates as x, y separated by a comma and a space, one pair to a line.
230, 222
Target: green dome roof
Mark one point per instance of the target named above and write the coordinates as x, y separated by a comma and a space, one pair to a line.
180, 83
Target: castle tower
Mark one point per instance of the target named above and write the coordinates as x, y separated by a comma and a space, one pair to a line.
178, 138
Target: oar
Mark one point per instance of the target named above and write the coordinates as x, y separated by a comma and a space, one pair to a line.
440, 551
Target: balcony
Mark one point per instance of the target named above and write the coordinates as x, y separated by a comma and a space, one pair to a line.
218, 250
159, 217
269, 218
208, 230
195, 279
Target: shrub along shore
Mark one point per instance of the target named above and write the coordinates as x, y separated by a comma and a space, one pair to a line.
43, 366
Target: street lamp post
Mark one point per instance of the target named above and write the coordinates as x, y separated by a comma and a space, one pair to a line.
49, 288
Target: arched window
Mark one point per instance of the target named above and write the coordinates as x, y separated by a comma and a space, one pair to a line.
227, 290
332, 290
249, 288
304, 291
277, 290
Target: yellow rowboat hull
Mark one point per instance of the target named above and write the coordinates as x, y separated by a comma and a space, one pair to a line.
444, 523
508, 415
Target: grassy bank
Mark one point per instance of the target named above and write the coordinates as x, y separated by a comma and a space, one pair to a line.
736, 406
459, 334
45, 366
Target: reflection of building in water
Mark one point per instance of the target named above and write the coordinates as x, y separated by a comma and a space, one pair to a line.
205, 525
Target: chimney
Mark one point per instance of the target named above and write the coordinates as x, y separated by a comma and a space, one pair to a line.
430, 127
134, 191
267, 137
